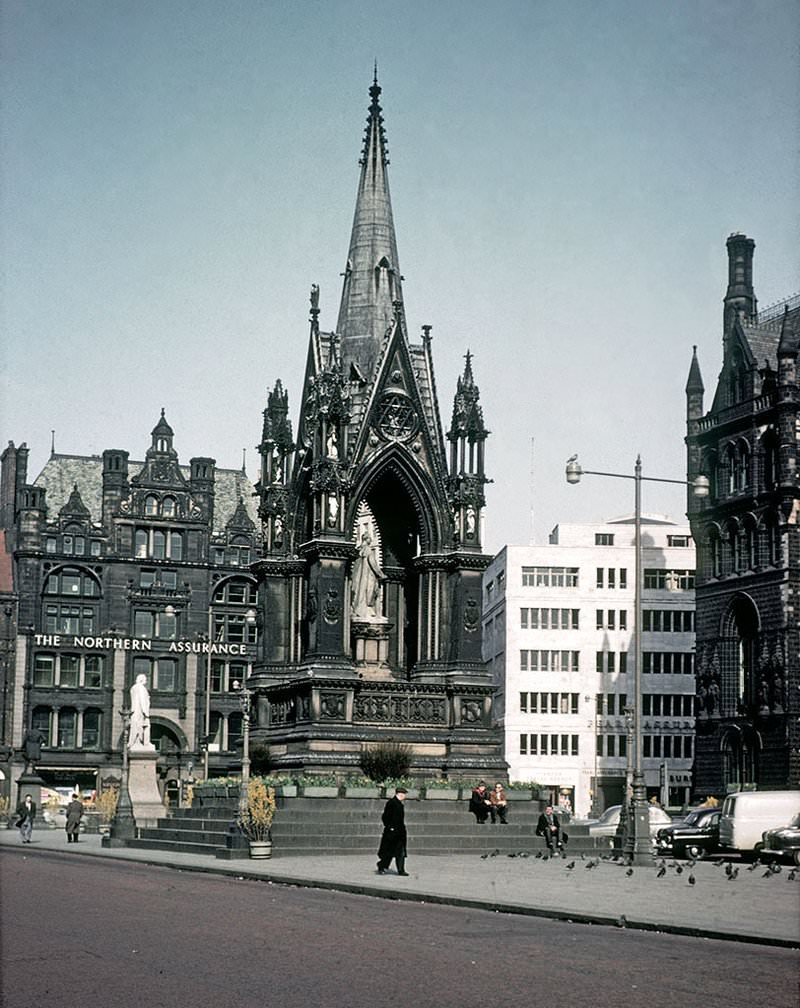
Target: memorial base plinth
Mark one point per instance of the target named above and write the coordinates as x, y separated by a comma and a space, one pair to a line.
371, 648
148, 805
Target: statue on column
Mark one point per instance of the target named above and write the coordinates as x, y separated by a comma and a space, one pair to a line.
140, 714
367, 579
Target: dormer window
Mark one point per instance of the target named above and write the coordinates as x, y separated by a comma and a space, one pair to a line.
168, 507
162, 444
151, 505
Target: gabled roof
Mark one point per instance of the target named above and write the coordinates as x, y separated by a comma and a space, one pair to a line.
62, 473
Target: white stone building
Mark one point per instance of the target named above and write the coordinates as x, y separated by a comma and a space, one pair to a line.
558, 635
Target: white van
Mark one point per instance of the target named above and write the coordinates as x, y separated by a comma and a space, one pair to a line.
747, 814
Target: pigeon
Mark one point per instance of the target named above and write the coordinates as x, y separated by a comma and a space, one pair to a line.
766, 874
734, 874
538, 853
524, 853
629, 872
513, 854
754, 865
678, 870
494, 853
777, 869
728, 867
570, 866
622, 921
662, 871
791, 876
484, 856
692, 880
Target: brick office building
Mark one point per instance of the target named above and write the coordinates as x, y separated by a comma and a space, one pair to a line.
748, 543
116, 568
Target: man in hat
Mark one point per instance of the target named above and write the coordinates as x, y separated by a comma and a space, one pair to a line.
393, 841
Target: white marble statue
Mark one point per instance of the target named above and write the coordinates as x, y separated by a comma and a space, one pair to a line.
140, 714
367, 579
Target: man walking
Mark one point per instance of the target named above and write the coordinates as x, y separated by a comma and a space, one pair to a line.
393, 841
74, 816
26, 813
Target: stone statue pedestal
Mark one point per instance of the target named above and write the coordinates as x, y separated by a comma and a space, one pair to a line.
148, 805
371, 647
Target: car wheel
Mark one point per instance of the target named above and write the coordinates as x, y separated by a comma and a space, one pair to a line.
695, 852
796, 856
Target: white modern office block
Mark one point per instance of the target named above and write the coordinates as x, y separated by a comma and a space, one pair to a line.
558, 635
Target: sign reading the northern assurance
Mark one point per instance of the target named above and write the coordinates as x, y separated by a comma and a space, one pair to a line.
137, 644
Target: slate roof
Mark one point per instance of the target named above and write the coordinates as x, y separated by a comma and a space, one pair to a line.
63, 472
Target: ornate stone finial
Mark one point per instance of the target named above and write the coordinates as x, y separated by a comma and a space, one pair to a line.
314, 298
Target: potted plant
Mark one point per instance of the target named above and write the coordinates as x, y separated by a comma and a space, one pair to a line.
255, 819
106, 807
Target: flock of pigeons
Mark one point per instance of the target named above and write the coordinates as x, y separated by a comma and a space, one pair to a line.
731, 870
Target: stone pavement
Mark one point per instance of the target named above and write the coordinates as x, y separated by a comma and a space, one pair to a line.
748, 908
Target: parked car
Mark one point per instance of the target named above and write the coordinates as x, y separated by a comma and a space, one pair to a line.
694, 837
747, 815
784, 841
608, 822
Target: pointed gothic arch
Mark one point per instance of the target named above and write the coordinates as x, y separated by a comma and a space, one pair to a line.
739, 632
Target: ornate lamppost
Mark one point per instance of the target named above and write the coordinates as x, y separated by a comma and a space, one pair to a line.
123, 825
637, 845
245, 702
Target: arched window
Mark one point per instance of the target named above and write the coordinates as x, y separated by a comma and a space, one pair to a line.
159, 545
72, 581
151, 505
236, 591
769, 451
168, 507
742, 466
731, 468
67, 728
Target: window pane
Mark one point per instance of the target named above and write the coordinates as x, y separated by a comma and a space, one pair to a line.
67, 724
68, 672
43, 669
92, 720
166, 675
93, 672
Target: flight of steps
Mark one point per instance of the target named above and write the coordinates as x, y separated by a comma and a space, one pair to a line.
331, 826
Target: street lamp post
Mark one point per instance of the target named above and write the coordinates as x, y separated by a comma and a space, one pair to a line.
123, 826
637, 841
245, 702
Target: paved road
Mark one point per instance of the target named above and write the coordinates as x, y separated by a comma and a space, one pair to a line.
87, 931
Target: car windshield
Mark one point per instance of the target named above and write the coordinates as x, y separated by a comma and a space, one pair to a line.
610, 814
795, 823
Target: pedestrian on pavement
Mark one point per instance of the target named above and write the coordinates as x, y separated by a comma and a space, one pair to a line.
26, 813
479, 803
74, 816
393, 841
499, 804
549, 827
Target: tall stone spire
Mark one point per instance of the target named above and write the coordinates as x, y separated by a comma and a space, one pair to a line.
372, 281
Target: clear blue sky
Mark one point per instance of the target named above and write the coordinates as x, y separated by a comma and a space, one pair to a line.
563, 174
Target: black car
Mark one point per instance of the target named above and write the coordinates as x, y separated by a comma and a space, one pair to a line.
695, 837
783, 842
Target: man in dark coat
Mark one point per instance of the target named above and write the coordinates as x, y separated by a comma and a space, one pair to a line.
549, 827
393, 841
26, 813
74, 816
479, 803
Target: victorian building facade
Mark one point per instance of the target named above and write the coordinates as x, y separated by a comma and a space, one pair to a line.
370, 583
118, 568
748, 543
